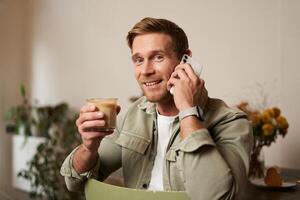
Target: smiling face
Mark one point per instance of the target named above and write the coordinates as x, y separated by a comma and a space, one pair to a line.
154, 60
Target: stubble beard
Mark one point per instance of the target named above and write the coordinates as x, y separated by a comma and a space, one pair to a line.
165, 96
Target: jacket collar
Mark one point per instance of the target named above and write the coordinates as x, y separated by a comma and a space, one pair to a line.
147, 106
150, 108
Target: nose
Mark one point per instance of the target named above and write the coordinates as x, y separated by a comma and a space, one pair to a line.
147, 68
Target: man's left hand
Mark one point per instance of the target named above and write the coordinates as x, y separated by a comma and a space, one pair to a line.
189, 89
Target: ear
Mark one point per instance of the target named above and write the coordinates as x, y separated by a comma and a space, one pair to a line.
188, 52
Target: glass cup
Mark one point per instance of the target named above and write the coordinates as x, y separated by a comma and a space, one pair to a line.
109, 108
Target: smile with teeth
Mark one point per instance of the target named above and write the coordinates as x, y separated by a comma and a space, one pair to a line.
151, 83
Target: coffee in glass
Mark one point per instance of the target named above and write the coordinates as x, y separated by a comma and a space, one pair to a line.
109, 108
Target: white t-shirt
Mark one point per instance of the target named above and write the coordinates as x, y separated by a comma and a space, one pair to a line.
164, 127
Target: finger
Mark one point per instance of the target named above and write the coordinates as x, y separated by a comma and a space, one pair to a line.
85, 126
189, 70
89, 107
89, 116
172, 82
179, 73
175, 75
184, 65
191, 73
182, 74
91, 135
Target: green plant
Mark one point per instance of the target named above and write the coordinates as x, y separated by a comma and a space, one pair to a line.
19, 117
31, 120
43, 172
57, 124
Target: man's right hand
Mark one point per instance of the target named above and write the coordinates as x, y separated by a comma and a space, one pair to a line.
89, 120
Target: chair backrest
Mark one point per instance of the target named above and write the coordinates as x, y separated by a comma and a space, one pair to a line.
96, 190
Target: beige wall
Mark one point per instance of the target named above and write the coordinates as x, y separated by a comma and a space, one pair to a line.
290, 81
78, 50
12, 73
79, 47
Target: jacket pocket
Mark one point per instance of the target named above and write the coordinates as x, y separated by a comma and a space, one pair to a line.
133, 142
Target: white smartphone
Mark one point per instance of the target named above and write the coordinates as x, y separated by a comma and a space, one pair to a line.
195, 65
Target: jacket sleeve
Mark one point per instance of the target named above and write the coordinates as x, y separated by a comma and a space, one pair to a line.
215, 161
109, 160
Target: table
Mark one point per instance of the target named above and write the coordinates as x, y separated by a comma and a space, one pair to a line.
253, 192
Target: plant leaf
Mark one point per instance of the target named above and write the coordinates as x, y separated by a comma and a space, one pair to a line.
22, 90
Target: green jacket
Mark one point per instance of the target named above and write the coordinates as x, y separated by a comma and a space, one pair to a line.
210, 163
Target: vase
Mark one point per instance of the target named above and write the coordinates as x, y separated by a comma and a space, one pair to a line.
257, 164
22, 153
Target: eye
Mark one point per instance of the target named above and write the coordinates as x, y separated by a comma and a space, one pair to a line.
158, 58
138, 61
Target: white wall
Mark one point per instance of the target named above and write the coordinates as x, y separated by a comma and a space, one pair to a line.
78, 50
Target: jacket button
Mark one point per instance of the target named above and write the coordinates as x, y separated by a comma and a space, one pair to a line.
145, 185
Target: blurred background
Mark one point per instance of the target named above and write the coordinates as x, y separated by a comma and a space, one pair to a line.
71, 50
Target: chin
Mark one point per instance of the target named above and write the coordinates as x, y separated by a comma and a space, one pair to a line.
152, 99
156, 98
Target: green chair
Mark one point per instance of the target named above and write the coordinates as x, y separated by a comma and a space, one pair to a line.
96, 190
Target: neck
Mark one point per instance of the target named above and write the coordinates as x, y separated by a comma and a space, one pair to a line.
167, 108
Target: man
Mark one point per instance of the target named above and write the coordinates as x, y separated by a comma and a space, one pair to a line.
164, 141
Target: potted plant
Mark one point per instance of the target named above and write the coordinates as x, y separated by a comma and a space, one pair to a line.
57, 125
